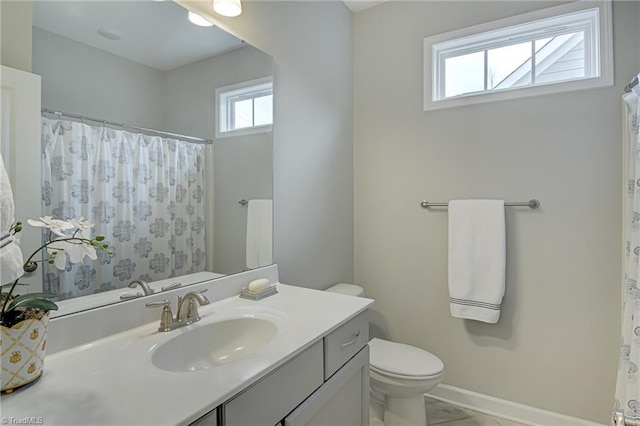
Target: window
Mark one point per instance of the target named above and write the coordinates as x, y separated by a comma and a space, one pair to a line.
557, 49
245, 108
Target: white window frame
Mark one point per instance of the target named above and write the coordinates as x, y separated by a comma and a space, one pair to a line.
247, 90
433, 88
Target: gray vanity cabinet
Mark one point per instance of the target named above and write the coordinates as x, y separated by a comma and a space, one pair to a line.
341, 400
326, 384
270, 399
209, 419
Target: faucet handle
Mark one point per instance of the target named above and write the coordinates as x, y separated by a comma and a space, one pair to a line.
171, 286
158, 304
166, 318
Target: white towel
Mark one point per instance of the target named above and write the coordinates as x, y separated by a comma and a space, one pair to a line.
259, 233
477, 253
10, 254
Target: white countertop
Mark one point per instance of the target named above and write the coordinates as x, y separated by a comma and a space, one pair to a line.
113, 382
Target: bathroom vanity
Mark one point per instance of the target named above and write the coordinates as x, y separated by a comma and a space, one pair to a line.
326, 384
296, 358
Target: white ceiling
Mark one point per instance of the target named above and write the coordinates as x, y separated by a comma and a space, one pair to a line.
154, 33
358, 5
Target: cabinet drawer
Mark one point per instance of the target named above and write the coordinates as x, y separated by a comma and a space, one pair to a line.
342, 344
273, 397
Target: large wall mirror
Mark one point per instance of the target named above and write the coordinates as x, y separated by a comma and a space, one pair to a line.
178, 207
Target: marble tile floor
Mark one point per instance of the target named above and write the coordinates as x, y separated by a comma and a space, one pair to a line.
445, 414
440, 413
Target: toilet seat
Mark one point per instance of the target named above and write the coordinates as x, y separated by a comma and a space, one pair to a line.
403, 361
404, 377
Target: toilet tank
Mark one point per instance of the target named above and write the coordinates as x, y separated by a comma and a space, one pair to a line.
348, 289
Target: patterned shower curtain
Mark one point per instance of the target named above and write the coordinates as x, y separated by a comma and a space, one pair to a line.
628, 384
145, 194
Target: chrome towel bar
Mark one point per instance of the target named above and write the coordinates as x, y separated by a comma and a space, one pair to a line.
532, 204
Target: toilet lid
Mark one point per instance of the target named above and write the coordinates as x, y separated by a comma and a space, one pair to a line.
403, 360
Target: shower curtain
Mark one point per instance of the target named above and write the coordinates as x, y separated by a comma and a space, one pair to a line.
628, 383
145, 194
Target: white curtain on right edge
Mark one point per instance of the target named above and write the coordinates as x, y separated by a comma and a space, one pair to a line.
628, 383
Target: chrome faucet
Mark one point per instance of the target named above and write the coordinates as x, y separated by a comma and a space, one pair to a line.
187, 310
145, 287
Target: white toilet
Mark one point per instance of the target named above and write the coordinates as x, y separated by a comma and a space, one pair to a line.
399, 375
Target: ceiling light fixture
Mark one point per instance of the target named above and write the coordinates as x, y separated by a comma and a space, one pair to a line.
109, 34
230, 8
194, 18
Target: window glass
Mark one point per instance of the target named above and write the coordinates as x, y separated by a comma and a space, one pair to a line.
243, 114
566, 47
244, 108
505, 61
263, 110
464, 74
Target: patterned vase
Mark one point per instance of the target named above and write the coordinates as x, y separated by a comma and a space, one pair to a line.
23, 348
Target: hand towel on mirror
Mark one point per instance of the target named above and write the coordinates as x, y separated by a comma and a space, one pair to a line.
477, 259
259, 234
10, 253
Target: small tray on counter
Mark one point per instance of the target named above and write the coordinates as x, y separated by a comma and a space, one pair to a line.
245, 293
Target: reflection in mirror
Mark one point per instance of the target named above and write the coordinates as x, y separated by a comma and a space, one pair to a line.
129, 114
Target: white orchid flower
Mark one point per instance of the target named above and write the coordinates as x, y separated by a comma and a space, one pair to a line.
83, 225
56, 226
76, 251
59, 259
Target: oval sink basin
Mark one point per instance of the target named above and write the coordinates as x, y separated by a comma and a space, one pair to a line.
213, 345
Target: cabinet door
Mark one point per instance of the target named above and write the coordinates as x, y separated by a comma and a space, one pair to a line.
342, 400
270, 399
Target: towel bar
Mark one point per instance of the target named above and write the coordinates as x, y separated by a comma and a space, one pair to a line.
532, 204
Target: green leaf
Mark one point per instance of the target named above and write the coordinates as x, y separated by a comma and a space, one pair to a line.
99, 237
45, 304
18, 301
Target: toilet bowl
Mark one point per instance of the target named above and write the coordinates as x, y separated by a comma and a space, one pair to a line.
399, 375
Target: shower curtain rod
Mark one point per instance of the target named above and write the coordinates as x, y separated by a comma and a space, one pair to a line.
124, 126
631, 85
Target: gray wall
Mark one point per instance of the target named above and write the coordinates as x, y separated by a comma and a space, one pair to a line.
555, 346
243, 165
15, 34
311, 44
88, 81
192, 87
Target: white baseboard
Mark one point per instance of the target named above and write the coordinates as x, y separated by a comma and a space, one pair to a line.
505, 409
